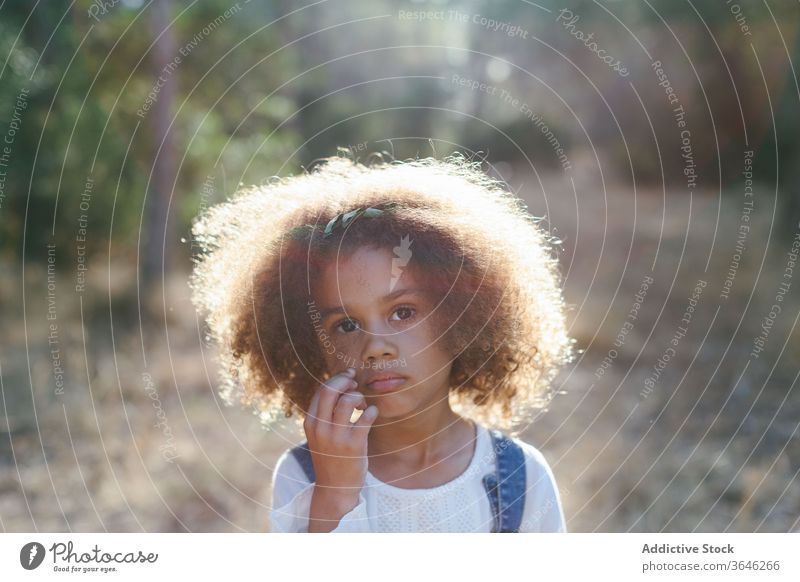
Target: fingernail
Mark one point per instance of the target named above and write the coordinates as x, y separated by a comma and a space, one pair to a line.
351, 371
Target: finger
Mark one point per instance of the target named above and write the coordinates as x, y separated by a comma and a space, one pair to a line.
344, 408
312, 407
364, 423
361, 403
329, 395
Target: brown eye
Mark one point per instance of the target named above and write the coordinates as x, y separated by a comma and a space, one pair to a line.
406, 311
343, 323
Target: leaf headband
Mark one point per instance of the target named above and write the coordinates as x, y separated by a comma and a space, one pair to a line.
343, 220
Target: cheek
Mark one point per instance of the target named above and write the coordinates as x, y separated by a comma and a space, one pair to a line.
327, 345
438, 361
344, 346
340, 352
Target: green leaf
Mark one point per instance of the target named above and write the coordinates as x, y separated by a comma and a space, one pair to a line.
329, 227
350, 216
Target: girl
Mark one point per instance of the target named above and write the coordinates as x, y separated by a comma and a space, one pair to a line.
401, 310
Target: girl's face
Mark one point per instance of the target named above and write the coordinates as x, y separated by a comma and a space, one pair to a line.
377, 320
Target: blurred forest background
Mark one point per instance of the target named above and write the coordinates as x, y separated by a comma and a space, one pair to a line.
122, 120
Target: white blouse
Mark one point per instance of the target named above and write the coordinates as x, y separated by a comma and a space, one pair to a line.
461, 505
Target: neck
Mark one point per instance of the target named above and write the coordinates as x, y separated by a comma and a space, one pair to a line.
422, 438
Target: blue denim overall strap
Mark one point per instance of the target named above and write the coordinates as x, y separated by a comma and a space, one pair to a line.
506, 487
303, 455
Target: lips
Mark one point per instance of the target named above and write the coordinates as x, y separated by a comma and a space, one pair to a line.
385, 381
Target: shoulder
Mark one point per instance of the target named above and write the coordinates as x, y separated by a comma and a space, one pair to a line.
288, 478
535, 462
288, 466
543, 510
534, 458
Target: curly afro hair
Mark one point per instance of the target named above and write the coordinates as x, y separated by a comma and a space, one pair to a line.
487, 261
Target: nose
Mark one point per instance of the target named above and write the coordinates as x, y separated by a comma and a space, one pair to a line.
379, 344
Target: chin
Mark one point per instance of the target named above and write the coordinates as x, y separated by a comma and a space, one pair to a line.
390, 407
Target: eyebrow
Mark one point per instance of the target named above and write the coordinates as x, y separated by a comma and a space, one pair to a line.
386, 298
